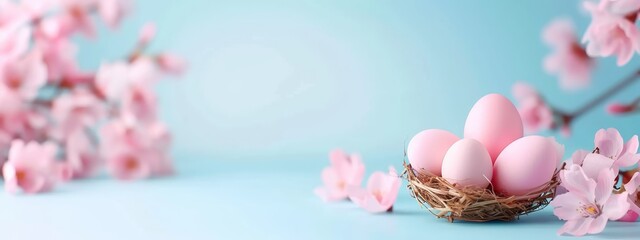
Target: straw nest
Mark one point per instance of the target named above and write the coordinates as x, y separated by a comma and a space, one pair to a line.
444, 200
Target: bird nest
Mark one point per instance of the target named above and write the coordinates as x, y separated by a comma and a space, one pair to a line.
446, 200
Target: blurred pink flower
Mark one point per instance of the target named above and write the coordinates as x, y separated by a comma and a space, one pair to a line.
133, 150
380, 194
77, 16
161, 163
171, 64
59, 56
129, 164
25, 76
588, 204
619, 108
82, 155
627, 8
560, 33
610, 34
113, 11
76, 111
14, 41
345, 170
147, 33
33, 168
569, 60
535, 113
114, 79
140, 102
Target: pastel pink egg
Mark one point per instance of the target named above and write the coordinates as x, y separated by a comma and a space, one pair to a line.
495, 122
468, 164
525, 165
427, 149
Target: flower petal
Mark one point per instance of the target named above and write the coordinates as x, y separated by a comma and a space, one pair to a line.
575, 180
377, 181
597, 225
609, 142
356, 173
594, 163
357, 194
627, 160
604, 186
565, 206
578, 156
583, 228
616, 207
631, 146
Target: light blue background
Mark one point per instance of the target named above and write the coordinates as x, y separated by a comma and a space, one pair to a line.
274, 85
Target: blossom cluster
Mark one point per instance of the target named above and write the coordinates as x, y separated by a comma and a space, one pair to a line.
612, 32
60, 122
591, 192
342, 180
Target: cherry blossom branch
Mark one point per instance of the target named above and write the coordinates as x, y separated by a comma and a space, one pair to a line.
564, 119
607, 94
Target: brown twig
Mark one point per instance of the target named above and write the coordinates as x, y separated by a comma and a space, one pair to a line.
563, 118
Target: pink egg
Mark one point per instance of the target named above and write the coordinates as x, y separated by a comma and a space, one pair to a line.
427, 148
494, 122
525, 165
467, 164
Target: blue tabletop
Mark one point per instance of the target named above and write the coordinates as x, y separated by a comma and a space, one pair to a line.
242, 201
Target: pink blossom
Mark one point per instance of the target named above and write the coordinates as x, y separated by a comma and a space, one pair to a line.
612, 153
129, 165
32, 167
161, 163
147, 33
618, 108
113, 11
560, 33
114, 79
77, 15
621, 7
610, 34
345, 170
12, 14
593, 163
82, 155
632, 189
569, 60
380, 194
578, 156
609, 143
140, 102
588, 204
60, 58
535, 113
75, 111
14, 41
171, 64
134, 151
25, 76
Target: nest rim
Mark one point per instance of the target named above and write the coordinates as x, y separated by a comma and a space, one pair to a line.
446, 200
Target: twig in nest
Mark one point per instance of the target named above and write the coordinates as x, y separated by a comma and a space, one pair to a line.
444, 200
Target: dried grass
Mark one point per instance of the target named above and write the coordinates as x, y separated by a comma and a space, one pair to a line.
445, 200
